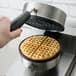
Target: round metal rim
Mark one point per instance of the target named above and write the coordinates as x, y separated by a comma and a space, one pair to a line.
39, 61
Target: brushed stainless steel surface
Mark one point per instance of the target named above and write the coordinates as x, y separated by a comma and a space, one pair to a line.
41, 66
47, 11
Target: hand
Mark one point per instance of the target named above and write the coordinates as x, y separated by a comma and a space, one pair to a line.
5, 34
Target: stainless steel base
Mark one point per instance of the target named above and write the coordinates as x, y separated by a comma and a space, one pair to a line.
18, 69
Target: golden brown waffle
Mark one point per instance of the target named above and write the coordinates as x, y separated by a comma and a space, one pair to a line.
39, 47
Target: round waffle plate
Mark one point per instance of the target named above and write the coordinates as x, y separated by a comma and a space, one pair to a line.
39, 47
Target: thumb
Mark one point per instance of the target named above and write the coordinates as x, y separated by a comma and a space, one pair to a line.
15, 33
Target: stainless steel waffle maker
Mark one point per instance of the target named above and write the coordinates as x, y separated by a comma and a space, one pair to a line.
45, 17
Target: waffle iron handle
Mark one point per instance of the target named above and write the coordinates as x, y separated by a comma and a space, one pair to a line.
19, 21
